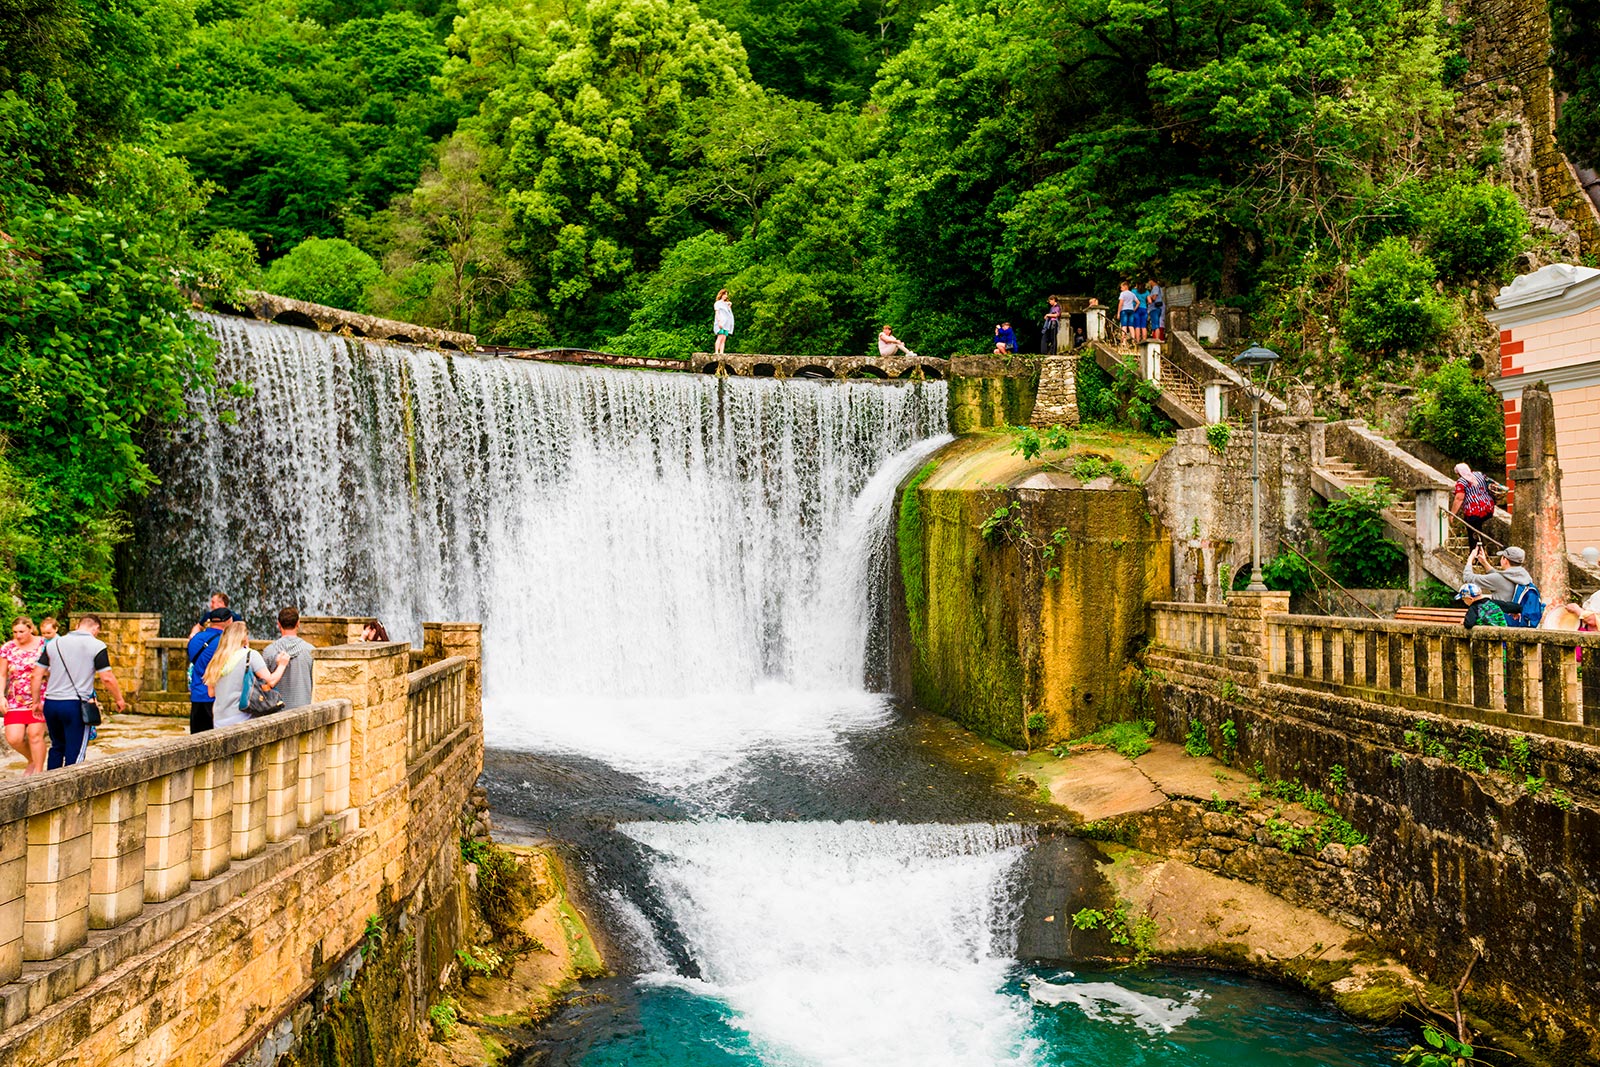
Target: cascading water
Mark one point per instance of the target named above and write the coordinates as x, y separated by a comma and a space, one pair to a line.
681, 581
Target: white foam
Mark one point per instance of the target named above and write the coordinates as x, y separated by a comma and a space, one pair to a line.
1104, 1001
845, 944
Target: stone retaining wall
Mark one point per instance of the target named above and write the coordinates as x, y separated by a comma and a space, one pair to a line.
254, 859
1484, 832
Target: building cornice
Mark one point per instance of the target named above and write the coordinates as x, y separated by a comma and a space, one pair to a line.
1573, 376
1553, 302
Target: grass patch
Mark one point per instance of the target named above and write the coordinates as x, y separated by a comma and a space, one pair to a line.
1131, 739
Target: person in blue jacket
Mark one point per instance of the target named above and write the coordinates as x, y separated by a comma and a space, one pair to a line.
1005, 339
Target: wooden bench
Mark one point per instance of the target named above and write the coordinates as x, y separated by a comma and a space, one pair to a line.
1452, 616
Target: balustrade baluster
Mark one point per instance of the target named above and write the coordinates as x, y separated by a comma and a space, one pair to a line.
211, 833
117, 842
168, 820
1494, 654
13, 892
56, 913
281, 761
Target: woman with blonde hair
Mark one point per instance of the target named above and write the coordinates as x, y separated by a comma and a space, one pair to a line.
228, 675
722, 320
24, 723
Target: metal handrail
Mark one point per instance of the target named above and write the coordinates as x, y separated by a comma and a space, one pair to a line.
1345, 592
1447, 516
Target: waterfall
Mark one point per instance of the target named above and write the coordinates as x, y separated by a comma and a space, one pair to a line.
627, 538
850, 943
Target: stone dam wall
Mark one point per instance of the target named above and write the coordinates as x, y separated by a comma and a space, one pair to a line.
1469, 762
201, 900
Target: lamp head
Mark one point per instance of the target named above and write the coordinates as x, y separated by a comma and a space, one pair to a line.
1255, 356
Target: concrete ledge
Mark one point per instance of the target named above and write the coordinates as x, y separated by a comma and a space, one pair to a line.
269, 307
21, 798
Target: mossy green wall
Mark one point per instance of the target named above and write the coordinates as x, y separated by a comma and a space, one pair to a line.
994, 638
980, 403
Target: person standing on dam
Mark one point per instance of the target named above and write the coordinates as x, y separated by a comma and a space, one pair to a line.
722, 319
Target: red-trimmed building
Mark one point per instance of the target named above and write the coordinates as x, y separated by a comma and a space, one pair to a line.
1550, 331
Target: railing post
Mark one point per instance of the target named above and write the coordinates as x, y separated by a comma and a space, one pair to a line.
13, 891
1495, 653
116, 873
249, 803
211, 833
336, 767
373, 678
169, 821
1571, 704
1533, 681
310, 777
282, 761
1217, 400
56, 919
1248, 633
466, 639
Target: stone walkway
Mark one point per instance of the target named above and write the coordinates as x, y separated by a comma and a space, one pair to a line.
118, 734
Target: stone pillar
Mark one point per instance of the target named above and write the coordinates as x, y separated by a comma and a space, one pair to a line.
325, 631
432, 649
1430, 504
1150, 361
127, 636
466, 639
249, 803
1537, 524
56, 919
373, 678
1094, 328
1057, 400
1217, 400
169, 816
1248, 651
282, 766
116, 872
13, 887
211, 832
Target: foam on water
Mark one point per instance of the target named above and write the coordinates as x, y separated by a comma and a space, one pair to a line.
1110, 1001
841, 944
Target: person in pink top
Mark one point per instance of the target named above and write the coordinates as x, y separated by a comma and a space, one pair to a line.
24, 724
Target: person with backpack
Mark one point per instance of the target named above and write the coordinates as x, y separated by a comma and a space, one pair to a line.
1481, 611
202, 646
1474, 500
1509, 584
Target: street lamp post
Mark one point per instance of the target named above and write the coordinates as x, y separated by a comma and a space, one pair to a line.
1251, 358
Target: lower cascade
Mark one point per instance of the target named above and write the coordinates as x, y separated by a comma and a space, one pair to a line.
683, 582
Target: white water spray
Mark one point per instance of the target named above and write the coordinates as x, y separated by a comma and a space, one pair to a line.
845, 944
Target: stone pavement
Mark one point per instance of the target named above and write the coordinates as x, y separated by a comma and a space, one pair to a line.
118, 733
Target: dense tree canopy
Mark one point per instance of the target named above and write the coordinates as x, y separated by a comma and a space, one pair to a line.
590, 172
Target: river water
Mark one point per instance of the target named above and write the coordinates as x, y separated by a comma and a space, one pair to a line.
682, 584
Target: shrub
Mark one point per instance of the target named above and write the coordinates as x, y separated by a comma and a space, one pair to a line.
1359, 553
1460, 416
1288, 572
1217, 436
505, 891
324, 270
1392, 303
1473, 231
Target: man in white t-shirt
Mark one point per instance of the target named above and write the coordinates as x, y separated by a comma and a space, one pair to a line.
63, 679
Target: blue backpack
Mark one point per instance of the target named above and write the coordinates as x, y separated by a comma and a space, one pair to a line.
1530, 606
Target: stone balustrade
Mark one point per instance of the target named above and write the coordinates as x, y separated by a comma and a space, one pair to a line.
103, 845
1516, 678
1200, 628
171, 903
436, 704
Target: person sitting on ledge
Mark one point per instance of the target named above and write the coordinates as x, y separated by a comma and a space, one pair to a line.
890, 345
1481, 611
1005, 339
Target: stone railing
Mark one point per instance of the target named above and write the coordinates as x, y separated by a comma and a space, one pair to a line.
91, 854
1486, 671
1200, 628
1515, 678
436, 704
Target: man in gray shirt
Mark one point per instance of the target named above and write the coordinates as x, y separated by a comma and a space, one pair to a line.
1499, 583
295, 685
63, 679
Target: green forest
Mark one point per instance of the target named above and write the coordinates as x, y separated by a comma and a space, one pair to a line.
590, 172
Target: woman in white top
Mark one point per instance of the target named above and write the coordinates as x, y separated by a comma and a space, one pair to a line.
723, 320
229, 672
889, 344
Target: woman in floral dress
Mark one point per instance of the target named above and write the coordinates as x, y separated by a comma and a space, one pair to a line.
24, 726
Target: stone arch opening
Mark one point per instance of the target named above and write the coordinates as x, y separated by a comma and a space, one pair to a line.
811, 370
868, 371
764, 370
400, 339
714, 367
291, 317
451, 345
932, 374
